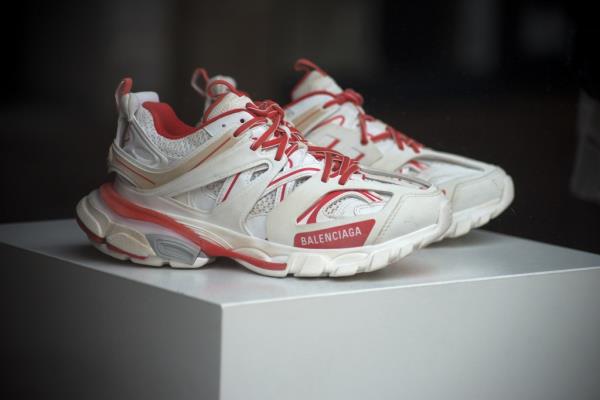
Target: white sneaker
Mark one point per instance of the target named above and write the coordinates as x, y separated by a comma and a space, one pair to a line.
334, 118
245, 185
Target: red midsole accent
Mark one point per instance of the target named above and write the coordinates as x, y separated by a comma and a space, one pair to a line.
127, 209
91, 235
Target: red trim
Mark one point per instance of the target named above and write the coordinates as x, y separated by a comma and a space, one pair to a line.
166, 122
235, 178
293, 173
211, 107
342, 236
125, 86
199, 72
282, 192
332, 144
227, 84
306, 66
371, 196
127, 209
330, 121
326, 199
359, 157
318, 205
91, 235
134, 171
212, 152
417, 164
303, 64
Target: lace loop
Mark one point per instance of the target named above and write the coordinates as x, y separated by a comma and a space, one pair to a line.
351, 96
287, 139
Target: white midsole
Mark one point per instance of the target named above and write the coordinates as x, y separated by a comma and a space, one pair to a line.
465, 220
100, 219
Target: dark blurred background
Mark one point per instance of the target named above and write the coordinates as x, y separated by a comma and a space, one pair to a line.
494, 80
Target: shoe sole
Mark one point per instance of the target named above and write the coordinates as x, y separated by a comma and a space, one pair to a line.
146, 243
466, 220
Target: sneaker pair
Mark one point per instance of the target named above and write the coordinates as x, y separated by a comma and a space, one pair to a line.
245, 183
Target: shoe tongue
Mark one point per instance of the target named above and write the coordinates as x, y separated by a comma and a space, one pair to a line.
226, 102
314, 81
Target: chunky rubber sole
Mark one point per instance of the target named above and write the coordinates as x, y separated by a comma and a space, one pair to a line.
466, 220
143, 236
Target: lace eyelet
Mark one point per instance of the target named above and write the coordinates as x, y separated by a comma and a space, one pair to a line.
242, 120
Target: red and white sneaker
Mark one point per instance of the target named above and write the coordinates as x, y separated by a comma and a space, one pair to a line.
334, 118
245, 185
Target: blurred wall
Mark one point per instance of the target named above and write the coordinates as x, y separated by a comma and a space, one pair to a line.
489, 79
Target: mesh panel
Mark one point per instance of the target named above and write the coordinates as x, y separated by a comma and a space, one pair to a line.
332, 209
299, 182
172, 148
265, 204
213, 188
256, 174
347, 204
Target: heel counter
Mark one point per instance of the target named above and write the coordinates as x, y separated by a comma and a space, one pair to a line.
131, 155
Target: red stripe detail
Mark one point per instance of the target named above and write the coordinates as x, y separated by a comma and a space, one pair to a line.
134, 171
293, 173
213, 152
303, 64
330, 121
166, 122
127, 209
333, 143
359, 157
283, 192
343, 236
314, 209
326, 199
367, 195
417, 164
212, 106
125, 86
370, 195
305, 213
91, 235
306, 66
318, 205
231, 186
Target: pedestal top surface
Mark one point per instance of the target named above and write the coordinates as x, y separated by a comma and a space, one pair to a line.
477, 256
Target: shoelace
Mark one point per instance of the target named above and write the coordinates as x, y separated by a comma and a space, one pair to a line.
351, 96
335, 164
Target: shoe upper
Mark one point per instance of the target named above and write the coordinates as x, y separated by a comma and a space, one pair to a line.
335, 118
244, 170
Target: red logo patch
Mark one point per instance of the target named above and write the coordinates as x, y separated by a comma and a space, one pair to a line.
350, 235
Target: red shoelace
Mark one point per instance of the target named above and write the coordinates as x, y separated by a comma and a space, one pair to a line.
351, 96
335, 164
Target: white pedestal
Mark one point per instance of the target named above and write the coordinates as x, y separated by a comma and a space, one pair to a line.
487, 316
